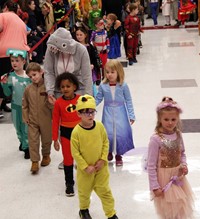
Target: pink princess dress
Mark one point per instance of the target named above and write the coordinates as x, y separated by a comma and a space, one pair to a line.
166, 157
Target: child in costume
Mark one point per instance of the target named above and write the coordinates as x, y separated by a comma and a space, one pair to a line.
100, 40
186, 8
166, 11
95, 61
133, 29
95, 12
89, 145
118, 112
37, 114
166, 164
14, 84
125, 13
85, 6
113, 27
59, 12
65, 118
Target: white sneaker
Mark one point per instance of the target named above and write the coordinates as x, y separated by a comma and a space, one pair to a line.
61, 166
1, 114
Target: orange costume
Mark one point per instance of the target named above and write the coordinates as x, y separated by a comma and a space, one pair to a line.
86, 5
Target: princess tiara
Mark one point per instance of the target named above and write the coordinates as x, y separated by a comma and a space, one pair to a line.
168, 102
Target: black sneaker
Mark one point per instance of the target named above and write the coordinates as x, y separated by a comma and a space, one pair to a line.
69, 190
130, 62
84, 214
113, 217
134, 60
26, 154
1, 114
20, 147
5, 108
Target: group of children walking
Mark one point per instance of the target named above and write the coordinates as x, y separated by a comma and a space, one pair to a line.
38, 119
91, 143
70, 123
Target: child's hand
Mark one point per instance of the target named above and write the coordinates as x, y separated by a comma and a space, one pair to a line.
4, 79
99, 164
51, 99
130, 37
132, 121
57, 145
183, 170
158, 192
90, 169
92, 66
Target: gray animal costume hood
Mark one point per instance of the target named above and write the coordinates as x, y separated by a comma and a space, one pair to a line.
61, 40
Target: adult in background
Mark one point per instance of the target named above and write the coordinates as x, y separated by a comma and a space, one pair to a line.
113, 6
10, 37
37, 30
64, 54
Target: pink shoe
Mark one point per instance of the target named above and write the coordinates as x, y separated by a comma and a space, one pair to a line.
110, 156
119, 161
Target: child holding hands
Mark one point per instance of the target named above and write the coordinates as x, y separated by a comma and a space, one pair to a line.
89, 145
118, 112
167, 165
65, 118
37, 114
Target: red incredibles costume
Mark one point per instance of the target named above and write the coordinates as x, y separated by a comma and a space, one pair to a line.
65, 117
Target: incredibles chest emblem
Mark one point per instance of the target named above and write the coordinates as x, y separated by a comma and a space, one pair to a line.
70, 108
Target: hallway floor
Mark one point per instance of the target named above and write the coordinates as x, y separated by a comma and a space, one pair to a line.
168, 65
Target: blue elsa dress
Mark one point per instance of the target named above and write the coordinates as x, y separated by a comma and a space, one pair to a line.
117, 112
115, 46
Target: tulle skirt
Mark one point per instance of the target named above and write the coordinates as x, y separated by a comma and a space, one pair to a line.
177, 202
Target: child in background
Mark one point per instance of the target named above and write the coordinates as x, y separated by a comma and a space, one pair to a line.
125, 13
37, 114
167, 165
99, 39
89, 145
186, 8
113, 27
140, 11
132, 28
166, 11
59, 12
117, 101
14, 84
95, 12
65, 118
95, 61
141, 17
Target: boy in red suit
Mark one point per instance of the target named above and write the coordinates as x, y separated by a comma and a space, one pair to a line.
132, 28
